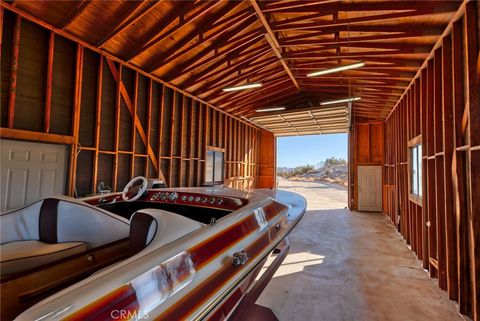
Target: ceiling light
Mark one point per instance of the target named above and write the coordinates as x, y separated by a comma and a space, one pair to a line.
336, 69
243, 87
338, 101
263, 110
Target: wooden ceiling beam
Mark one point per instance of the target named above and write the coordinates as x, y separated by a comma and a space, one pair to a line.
313, 86
178, 50
215, 73
202, 54
372, 73
427, 29
264, 74
227, 55
310, 54
273, 41
375, 57
278, 97
75, 11
332, 7
211, 68
256, 70
290, 5
354, 81
368, 69
287, 100
179, 16
403, 46
356, 77
302, 40
228, 99
278, 77
299, 23
129, 20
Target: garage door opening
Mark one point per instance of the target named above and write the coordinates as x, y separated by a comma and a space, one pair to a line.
315, 166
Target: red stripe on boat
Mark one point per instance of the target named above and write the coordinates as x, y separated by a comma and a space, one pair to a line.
120, 304
207, 250
273, 209
202, 293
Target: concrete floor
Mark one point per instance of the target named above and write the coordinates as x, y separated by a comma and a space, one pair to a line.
347, 265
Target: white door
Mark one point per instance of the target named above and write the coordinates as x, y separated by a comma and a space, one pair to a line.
30, 171
370, 188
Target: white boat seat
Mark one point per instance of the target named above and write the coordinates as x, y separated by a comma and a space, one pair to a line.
53, 228
62, 219
19, 256
158, 227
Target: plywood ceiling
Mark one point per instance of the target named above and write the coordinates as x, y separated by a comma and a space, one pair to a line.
204, 46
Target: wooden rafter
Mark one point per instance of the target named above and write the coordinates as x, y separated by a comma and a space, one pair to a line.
226, 34
76, 10
161, 33
272, 39
368, 6
131, 17
174, 53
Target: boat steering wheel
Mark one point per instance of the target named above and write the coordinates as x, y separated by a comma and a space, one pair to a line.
134, 189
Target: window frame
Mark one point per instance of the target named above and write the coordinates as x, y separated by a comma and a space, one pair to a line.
413, 146
211, 181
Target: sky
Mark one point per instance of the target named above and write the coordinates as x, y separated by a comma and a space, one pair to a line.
301, 150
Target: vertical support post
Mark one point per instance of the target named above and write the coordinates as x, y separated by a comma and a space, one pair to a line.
172, 117
1, 28
473, 155
439, 184
48, 90
76, 118
459, 173
13, 72
447, 115
149, 122
98, 117
161, 110
117, 129
133, 140
423, 116
432, 234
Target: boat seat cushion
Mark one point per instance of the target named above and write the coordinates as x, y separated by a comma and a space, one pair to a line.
158, 227
19, 256
142, 230
61, 219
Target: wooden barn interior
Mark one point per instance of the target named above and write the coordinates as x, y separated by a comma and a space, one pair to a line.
137, 88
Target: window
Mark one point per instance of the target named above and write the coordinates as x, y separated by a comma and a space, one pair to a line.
416, 170
214, 166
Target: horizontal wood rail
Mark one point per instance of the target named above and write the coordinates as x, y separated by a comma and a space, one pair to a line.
10, 133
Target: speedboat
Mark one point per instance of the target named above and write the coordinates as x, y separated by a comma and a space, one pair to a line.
144, 253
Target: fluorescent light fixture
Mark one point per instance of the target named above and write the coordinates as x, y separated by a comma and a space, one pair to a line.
338, 101
264, 110
243, 87
336, 69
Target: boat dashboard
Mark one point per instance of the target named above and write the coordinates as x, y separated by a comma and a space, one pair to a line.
197, 206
